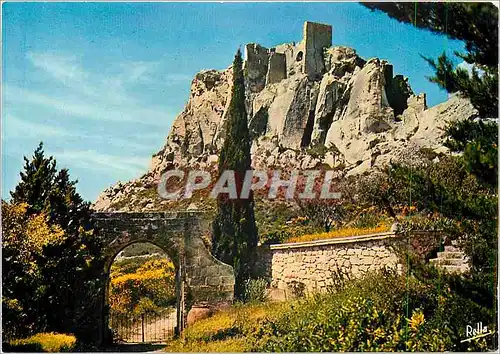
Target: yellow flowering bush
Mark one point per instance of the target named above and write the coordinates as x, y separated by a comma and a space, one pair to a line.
383, 311
342, 232
27, 235
23, 240
227, 330
368, 314
143, 286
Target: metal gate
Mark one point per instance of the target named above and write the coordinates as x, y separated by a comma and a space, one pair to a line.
147, 328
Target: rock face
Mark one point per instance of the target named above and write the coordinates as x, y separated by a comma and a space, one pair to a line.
302, 98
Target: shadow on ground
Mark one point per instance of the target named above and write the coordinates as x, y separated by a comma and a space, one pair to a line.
139, 347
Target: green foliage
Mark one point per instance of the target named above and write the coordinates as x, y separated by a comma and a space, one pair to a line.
71, 270
449, 199
280, 221
478, 142
320, 150
445, 187
382, 312
24, 238
474, 23
256, 290
36, 181
324, 213
272, 215
480, 87
275, 237
234, 239
297, 288
366, 220
43, 342
477, 25
229, 330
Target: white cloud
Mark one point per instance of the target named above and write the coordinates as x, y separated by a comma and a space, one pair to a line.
73, 91
112, 88
94, 160
69, 71
22, 128
63, 68
91, 95
138, 71
88, 108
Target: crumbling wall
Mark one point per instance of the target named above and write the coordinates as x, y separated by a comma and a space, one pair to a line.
317, 37
276, 70
293, 57
255, 66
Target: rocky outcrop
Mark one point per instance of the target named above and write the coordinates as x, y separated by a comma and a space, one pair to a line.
198, 129
308, 104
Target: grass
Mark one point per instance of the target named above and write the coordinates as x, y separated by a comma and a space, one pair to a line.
227, 330
343, 232
44, 342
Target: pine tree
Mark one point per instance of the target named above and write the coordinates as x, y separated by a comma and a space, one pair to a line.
476, 24
71, 270
50, 191
234, 230
36, 181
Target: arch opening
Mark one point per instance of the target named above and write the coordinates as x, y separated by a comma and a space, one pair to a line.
201, 280
142, 294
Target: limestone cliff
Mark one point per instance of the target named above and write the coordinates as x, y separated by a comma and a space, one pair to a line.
308, 104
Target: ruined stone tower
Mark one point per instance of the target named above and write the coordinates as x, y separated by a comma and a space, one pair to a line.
317, 37
268, 66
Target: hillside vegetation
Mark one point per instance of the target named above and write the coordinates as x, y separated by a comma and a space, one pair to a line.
381, 312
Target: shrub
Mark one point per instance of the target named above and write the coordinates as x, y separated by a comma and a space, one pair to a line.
381, 312
43, 342
367, 220
255, 290
228, 330
141, 285
317, 151
275, 237
297, 288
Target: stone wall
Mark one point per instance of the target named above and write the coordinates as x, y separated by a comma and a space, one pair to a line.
207, 282
310, 264
317, 37
277, 68
256, 63
291, 53
178, 235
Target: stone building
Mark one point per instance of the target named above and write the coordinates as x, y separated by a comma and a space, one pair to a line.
268, 66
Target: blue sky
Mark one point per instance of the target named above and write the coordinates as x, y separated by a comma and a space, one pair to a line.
100, 83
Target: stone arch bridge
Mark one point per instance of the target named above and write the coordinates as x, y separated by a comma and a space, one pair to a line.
201, 280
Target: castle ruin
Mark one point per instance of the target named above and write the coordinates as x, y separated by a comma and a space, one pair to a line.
268, 66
